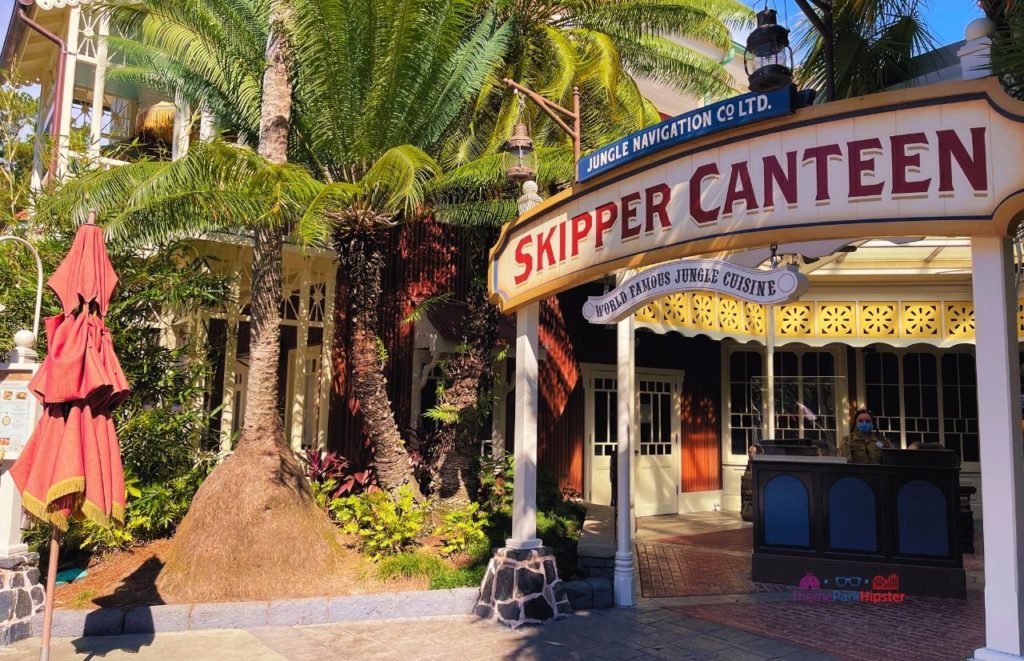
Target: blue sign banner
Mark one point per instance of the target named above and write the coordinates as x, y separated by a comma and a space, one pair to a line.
727, 114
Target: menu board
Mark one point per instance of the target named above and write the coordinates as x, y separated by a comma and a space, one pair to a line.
18, 409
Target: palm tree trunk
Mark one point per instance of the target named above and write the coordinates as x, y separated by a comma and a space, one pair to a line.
362, 257
456, 471
229, 545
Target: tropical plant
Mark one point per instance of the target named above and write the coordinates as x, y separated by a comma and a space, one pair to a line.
386, 523
17, 137
876, 41
344, 477
462, 530
1008, 43
411, 69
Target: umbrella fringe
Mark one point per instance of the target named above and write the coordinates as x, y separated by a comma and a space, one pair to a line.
97, 515
41, 511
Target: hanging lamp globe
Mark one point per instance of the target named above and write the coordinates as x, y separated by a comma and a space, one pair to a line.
520, 149
768, 59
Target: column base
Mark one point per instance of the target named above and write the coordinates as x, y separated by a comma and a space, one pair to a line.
521, 586
624, 580
22, 595
985, 654
523, 544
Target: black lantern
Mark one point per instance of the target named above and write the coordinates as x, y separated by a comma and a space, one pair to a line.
768, 59
520, 148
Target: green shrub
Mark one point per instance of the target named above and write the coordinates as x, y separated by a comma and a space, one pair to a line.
462, 530
458, 577
422, 565
496, 477
386, 524
409, 565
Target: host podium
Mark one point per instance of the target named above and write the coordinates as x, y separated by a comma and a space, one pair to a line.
846, 524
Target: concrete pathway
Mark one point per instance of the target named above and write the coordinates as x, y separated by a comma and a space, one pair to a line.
650, 631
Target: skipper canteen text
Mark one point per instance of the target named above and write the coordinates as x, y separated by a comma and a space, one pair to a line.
782, 181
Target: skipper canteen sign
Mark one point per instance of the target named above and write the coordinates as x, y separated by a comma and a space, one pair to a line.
941, 160
766, 287
736, 111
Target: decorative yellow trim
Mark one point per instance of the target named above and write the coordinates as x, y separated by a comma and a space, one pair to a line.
718, 314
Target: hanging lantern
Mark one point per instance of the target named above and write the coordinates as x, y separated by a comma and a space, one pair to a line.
768, 59
520, 150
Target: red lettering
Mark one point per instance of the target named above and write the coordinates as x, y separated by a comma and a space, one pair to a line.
786, 180
820, 156
629, 205
581, 225
524, 258
606, 215
902, 162
973, 165
699, 214
859, 165
544, 248
658, 197
561, 241
740, 189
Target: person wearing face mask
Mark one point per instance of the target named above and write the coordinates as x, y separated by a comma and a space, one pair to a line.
863, 445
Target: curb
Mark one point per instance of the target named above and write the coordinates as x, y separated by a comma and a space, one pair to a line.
68, 623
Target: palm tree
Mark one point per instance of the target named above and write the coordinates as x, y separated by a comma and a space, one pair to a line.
1008, 46
875, 43
603, 48
410, 70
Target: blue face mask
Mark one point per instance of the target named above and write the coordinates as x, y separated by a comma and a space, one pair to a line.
865, 427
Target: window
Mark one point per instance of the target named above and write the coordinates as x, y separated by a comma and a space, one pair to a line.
606, 417
655, 418
806, 398
926, 397
744, 400
960, 405
882, 393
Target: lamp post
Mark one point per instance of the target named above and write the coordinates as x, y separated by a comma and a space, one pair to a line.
768, 59
553, 110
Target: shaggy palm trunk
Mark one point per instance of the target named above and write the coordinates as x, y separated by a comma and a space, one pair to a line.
362, 257
456, 469
230, 544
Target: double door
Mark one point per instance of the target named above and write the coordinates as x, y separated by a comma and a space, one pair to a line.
656, 455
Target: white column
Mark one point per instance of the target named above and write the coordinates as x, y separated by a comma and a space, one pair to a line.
300, 365
207, 124
10, 514
41, 147
182, 126
1002, 458
71, 62
524, 495
769, 368
99, 89
624, 584
326, 358
227, 411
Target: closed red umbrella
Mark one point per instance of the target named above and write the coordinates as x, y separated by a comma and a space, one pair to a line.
71, 466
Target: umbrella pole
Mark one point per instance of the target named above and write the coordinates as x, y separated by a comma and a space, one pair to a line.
51, 586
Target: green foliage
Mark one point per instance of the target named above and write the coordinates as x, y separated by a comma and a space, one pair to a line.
463, 529
322, 492
442, 575
386, 524
409, 565
875, 48
496, 478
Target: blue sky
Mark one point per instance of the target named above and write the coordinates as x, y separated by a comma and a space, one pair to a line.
946, 18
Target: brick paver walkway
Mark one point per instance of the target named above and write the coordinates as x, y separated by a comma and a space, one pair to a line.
917, 630
645, 633
669, 570
709, 572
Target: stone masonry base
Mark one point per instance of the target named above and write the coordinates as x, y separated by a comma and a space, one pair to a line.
522, 587
21, 596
